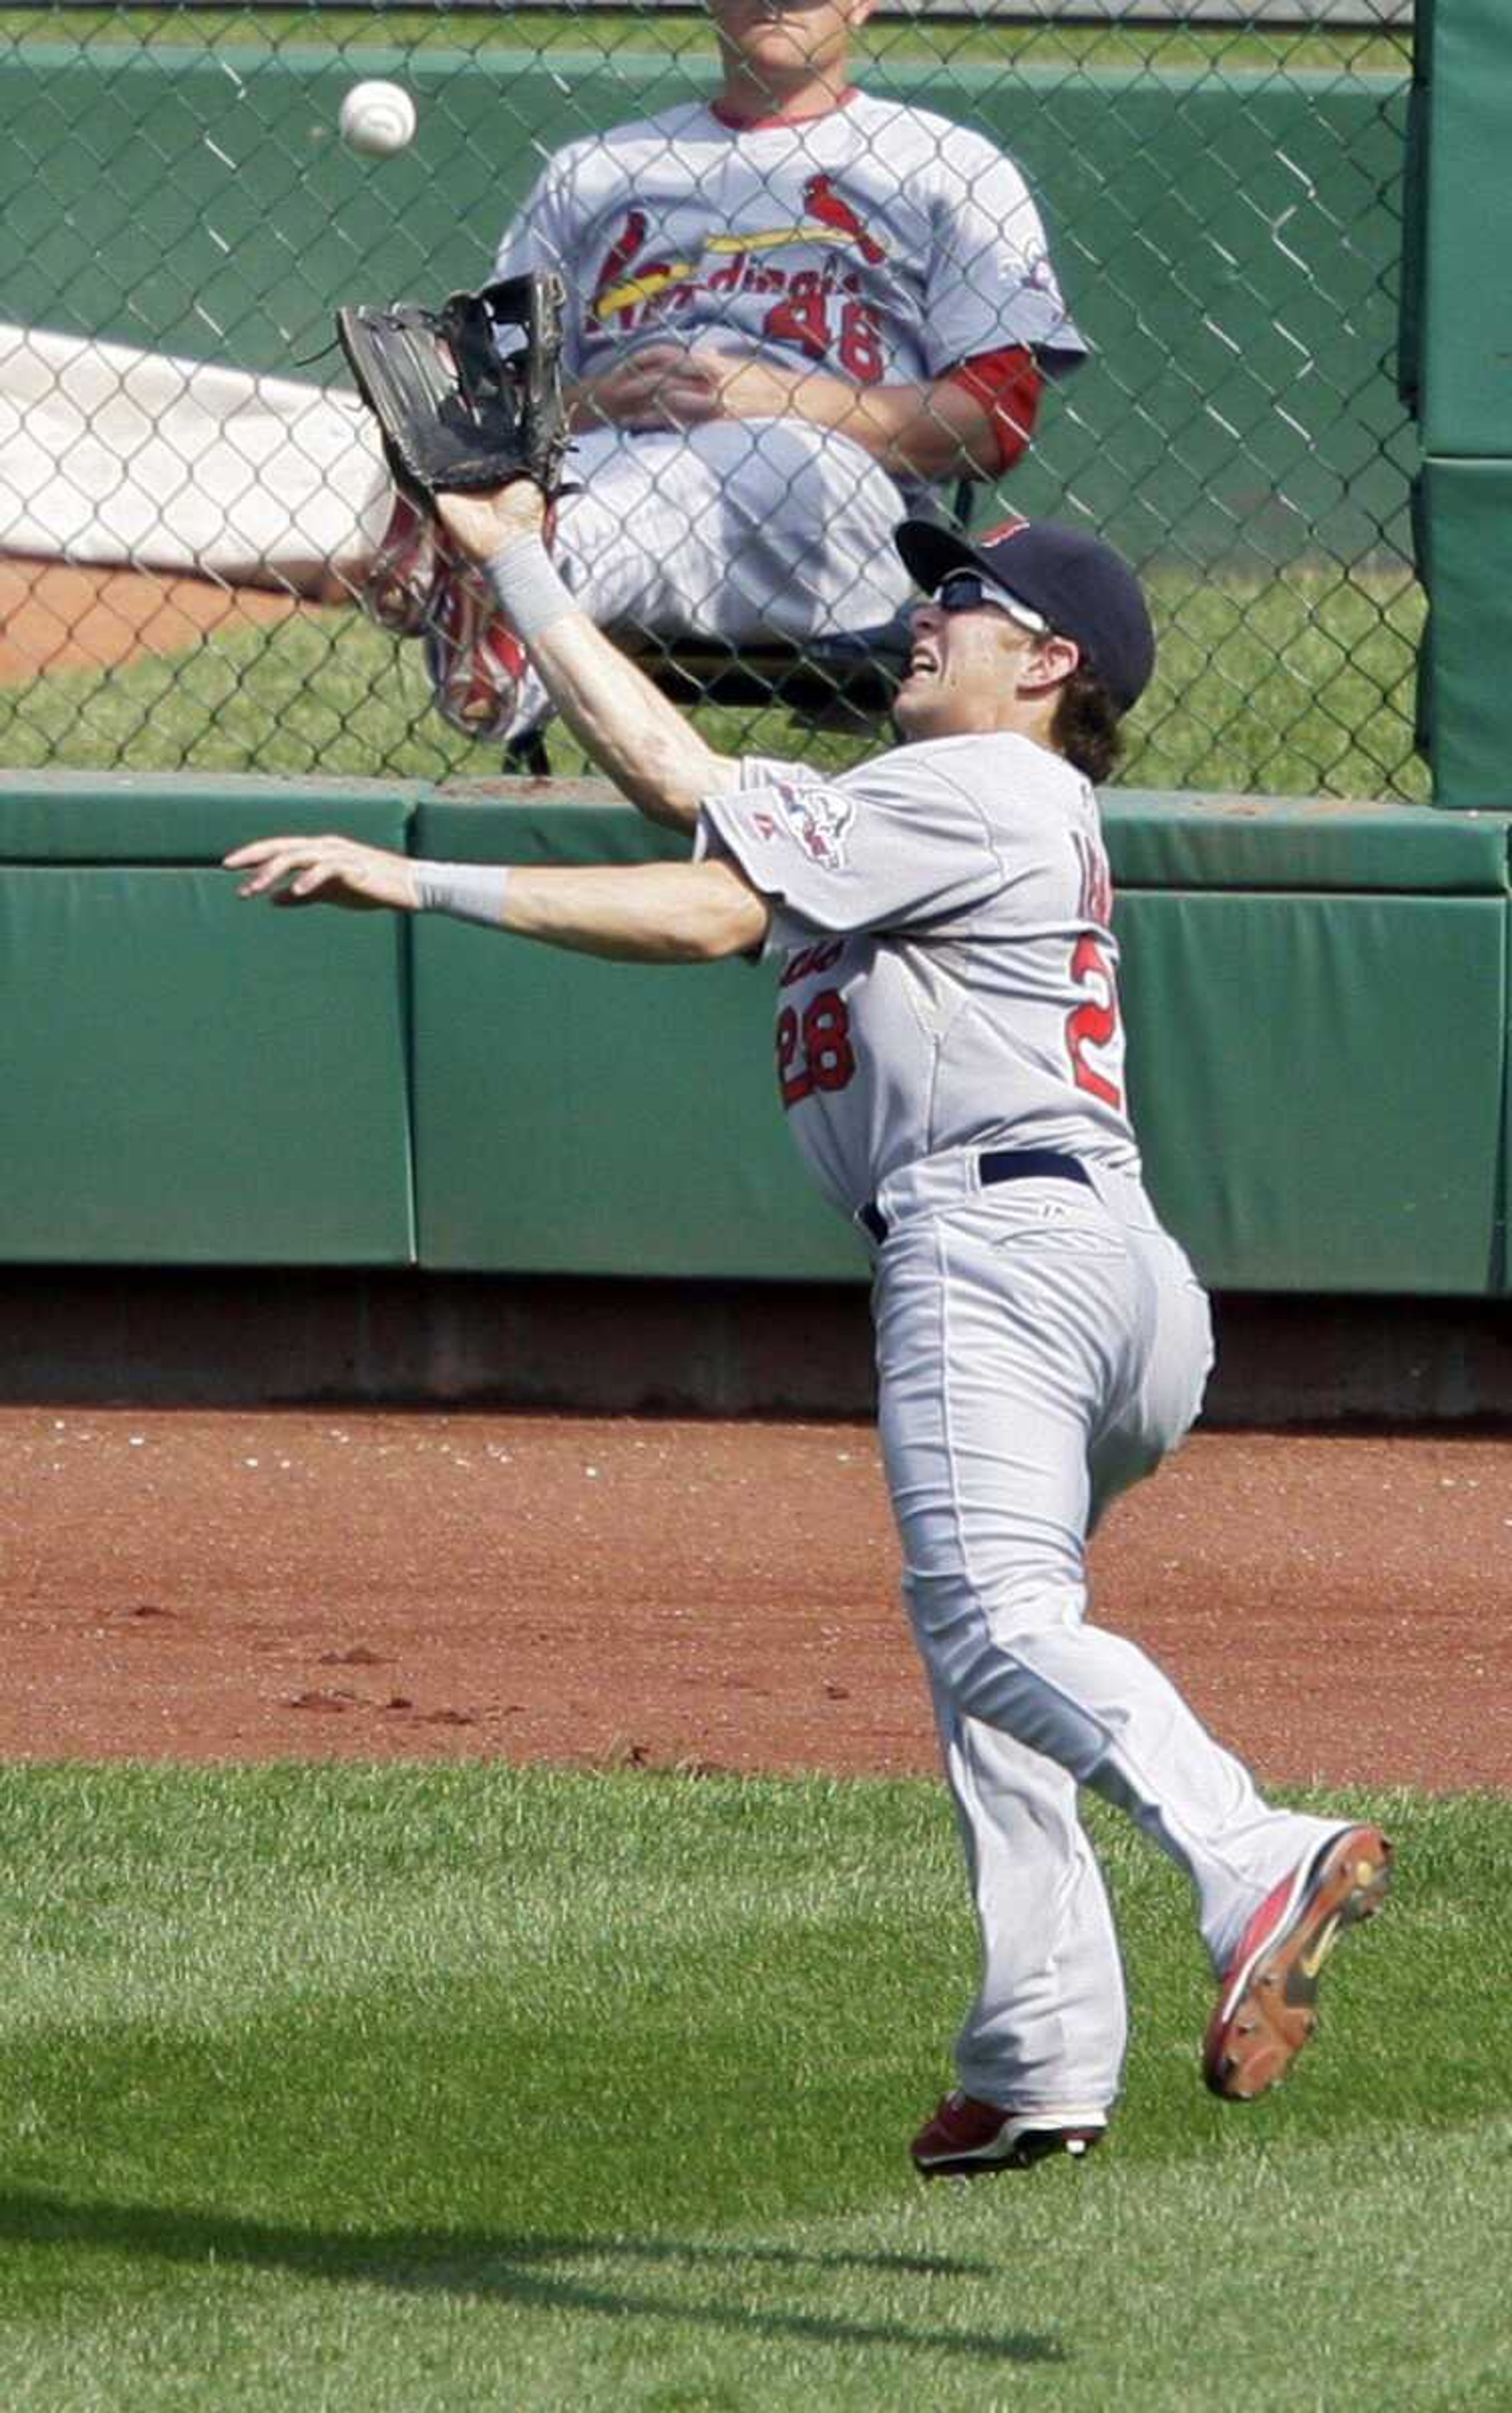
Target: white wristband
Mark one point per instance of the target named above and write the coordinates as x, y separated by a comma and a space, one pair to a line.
523, 584
471, 892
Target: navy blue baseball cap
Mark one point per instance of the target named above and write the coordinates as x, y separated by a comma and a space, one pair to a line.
1085, 589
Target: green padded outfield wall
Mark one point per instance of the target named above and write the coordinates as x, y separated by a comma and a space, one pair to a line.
1465, 307
1414, 216
1464, 692
1317, 1082
189, 1079
1294, 845
1457, 371
1316, 998
1319, 1077
1231, 248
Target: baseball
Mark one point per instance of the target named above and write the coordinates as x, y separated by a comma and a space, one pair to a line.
376, 118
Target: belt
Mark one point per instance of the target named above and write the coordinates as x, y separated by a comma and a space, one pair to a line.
994, 1165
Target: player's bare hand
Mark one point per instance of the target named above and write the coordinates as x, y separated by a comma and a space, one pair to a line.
622, 395
748, 387
479, 524
326, 871
662, 386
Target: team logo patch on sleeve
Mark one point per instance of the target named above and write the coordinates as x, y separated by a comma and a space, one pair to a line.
820, 819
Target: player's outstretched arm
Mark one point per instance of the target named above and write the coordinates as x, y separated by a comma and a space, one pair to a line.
636, 913
653, 755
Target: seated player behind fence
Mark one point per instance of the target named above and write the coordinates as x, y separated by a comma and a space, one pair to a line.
797, 314
950, 1055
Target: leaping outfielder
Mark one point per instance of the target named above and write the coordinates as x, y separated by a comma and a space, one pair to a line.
950, 1056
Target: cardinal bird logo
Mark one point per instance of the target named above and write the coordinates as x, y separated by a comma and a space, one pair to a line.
830, 209
621, 252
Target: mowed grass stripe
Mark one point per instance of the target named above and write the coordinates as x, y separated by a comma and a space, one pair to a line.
433, 2088
1295, 686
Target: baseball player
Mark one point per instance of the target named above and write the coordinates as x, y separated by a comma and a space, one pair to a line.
950, 1056
798, 312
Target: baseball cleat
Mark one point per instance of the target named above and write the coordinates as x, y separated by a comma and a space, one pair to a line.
402, 574
475, 664
1265, 2013
968, 2139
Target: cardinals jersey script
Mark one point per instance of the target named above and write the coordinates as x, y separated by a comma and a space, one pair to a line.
878, 242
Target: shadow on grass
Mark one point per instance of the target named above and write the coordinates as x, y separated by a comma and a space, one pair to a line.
509, 2270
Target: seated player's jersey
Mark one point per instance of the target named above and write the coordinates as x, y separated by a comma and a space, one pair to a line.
877, 242
948, 978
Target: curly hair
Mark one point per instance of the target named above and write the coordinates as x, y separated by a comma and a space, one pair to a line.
1085, 726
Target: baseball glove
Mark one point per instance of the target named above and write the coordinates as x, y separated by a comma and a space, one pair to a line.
470, 397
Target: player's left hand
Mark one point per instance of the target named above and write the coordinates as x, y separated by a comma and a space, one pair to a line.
326, 871
751, 387
708, 385
481, 525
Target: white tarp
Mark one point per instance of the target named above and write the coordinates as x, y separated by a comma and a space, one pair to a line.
112, 455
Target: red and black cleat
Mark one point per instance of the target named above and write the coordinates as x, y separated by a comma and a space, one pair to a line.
402, 575
968, 2139
474, 663
1265, 2012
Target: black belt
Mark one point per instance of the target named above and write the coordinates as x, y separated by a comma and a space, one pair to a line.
994, 1165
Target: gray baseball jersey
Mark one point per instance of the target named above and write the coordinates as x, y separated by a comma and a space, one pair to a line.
877, 242
949, 977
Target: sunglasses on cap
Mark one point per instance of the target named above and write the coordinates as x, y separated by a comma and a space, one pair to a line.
967, 590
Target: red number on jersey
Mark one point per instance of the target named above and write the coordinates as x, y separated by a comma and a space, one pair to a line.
1094, 1024
861, 351
792, 1077
801, 317
814, 1050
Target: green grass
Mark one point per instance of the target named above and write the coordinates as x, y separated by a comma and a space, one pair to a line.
1160, 50
1304, 686
327, 693
1301, 687
426, 2090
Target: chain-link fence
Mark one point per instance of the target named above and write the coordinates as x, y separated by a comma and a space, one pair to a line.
783, 335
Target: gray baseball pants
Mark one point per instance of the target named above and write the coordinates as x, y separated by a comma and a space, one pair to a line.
748, 530
1040, 1347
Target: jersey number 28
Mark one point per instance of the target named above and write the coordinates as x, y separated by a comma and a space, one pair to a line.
813, 1048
